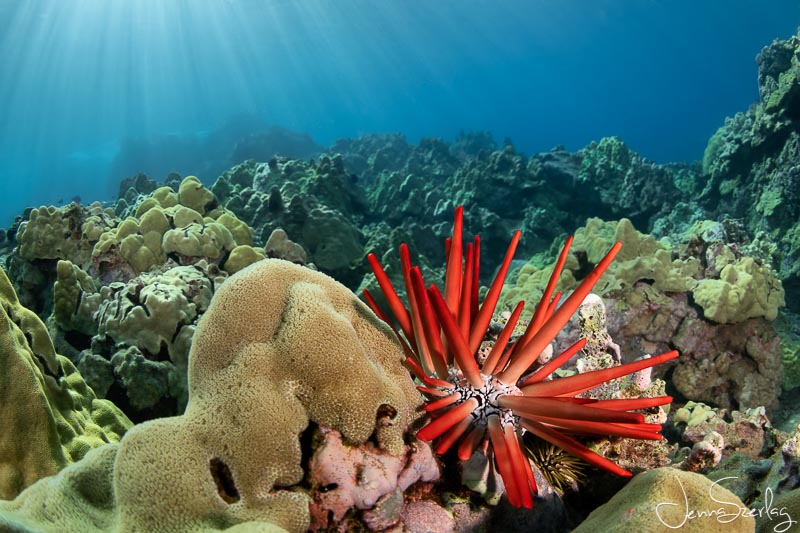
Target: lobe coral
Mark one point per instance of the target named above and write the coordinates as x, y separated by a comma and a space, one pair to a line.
491, 403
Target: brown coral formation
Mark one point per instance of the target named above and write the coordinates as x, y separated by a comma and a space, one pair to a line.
658, 299
280, 346
748, 432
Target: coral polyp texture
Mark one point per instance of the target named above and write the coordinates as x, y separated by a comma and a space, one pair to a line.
486, 399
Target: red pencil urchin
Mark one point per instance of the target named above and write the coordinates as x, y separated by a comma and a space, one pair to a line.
507, 396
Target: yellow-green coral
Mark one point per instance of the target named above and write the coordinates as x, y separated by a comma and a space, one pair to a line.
194, 195
241, 232
71, 283
51, 504
198, 240
67, 232
241, 257
165, 197
50, 417
530, 283
146, 205
155, 221
169, 222
81, 498
183, 216
745, 289
641, 258
694, 413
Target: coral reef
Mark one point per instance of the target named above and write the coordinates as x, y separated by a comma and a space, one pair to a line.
315, 204
395, 180
134, 337
723, 434
186, 226
652, 289
50, 417
68, 232
632, 186
166, 303
751, 166
126, 313
280, 347
48, 234
728, 286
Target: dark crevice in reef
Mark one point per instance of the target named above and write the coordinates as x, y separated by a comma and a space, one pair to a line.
670, 388
670, 432
78, 340
223, 478
117, 395
163, 353
307, 447
585, 266
384, 416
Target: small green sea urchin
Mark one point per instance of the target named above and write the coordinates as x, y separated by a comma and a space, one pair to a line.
561, 470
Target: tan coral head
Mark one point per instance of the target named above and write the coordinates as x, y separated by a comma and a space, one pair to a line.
279, 347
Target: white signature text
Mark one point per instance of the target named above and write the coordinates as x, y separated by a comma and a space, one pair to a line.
728, 511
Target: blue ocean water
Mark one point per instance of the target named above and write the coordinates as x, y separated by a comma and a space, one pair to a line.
83, 83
